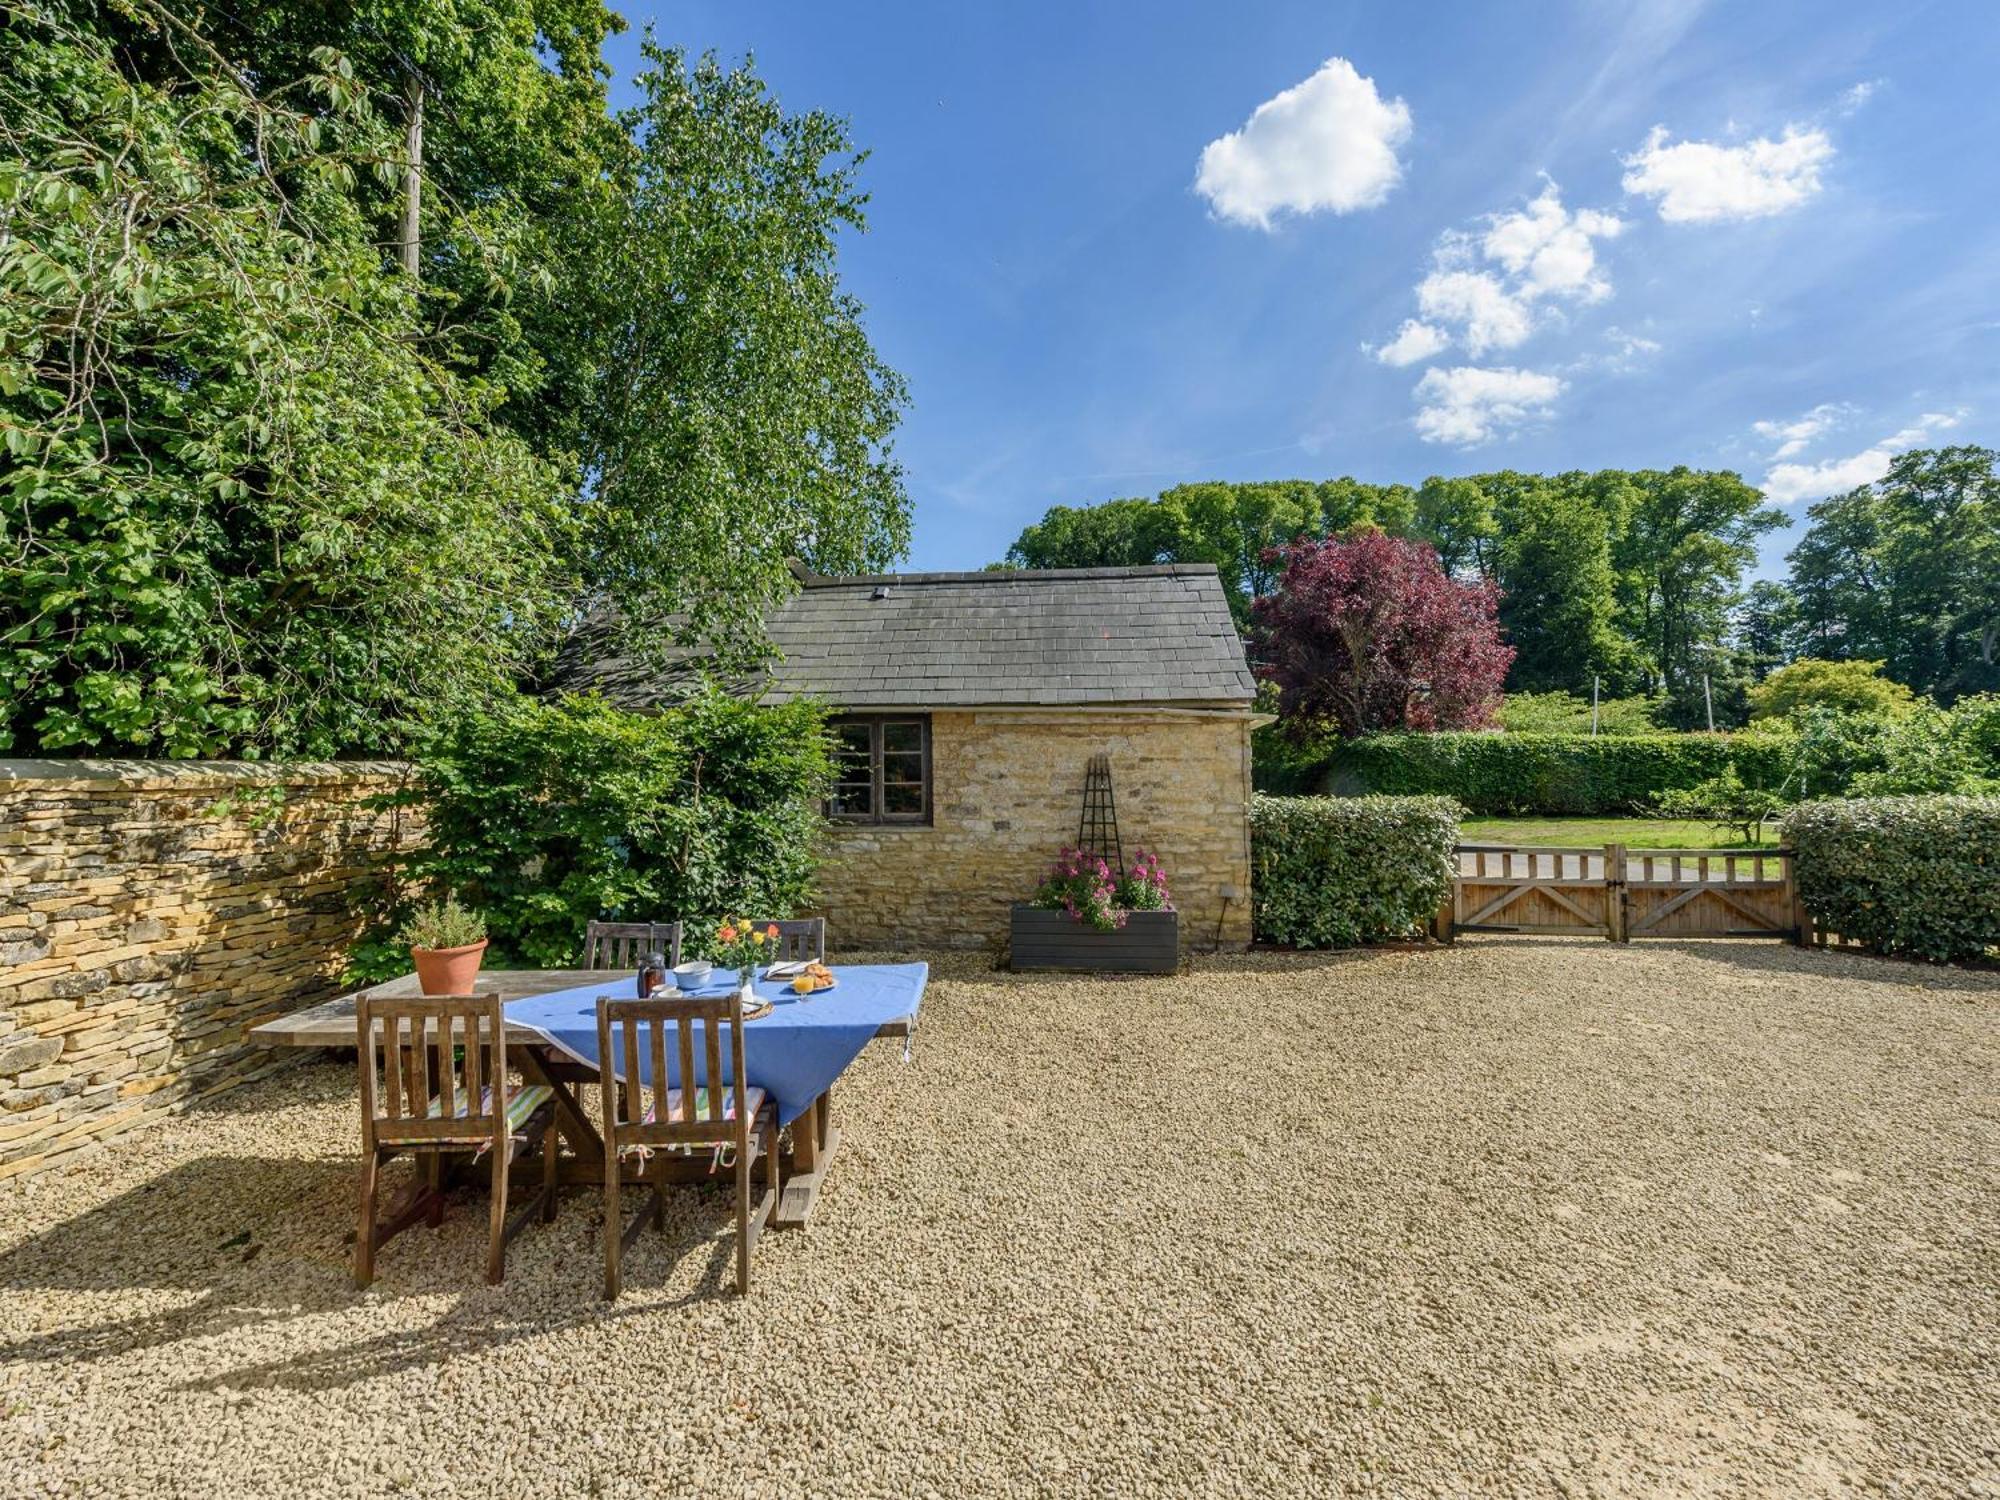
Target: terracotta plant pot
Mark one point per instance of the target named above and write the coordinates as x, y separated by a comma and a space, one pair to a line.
448, 971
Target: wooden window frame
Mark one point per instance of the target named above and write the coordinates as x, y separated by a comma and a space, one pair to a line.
878, 816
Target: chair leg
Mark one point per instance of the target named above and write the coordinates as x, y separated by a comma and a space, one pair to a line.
613, 1218
549, 1172
364, 1236
773, 1182
743, 1220
496, 1236
434, 1182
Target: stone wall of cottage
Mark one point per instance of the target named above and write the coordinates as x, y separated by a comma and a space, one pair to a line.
1007, 789
150, 913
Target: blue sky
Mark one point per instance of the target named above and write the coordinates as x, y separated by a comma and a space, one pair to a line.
1114, 248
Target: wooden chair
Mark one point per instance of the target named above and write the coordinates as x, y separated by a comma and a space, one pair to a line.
798, 937
434, 1083
626, 945
732, 1115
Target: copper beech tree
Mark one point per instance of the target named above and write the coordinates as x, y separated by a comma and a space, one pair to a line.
1367, 632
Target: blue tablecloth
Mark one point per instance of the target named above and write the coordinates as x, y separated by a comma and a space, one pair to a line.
794, 1053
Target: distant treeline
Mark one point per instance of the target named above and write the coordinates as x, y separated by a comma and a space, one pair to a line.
1633, 577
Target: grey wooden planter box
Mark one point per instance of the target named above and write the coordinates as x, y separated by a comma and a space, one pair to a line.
1148, 943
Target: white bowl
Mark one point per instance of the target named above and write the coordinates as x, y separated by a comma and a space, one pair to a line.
692, 976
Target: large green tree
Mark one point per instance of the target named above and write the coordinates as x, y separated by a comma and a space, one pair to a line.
350, 352
1235, 526
1907, 571
737, 415
251, 505
497, 139
1688, 537
1456, 517
1556, 600
1126, 533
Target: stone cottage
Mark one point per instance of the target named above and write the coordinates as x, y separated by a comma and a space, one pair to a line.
968, 706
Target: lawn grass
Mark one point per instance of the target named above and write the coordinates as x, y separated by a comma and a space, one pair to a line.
1592, 833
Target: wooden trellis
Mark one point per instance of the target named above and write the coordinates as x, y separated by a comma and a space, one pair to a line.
1097, 829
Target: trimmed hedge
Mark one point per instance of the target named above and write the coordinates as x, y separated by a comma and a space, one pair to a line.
1913, 875
1332, 872
1552, 775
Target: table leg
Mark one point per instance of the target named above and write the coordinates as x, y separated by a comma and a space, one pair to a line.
814, 1144
584, 1161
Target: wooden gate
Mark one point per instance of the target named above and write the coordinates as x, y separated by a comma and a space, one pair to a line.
1621, 893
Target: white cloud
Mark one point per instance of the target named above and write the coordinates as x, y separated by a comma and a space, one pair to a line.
1631, 345
1794, 436
1413, 341
1859, 95
1549, 249
1789, 482
1485, 284
1699, 182
1486, 315
1467, 405
1326, 144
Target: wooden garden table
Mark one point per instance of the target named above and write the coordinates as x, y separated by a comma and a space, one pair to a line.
814, 1140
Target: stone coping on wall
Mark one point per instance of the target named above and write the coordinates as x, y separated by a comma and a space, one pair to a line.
197, 775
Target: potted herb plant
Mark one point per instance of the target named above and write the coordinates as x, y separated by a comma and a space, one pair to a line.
1087, 915
447, 945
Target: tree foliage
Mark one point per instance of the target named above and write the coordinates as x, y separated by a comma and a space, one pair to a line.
251, 506
267, 492
1235, 526
1849, 686
544, 816
737, 415
1368, 633
1906, 571
1632, 578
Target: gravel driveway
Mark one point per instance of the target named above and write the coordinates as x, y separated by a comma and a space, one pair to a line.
1523, 1217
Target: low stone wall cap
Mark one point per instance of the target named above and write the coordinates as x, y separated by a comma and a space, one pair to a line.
201, 772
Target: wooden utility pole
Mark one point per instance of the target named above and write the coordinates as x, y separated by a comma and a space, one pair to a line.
413, 176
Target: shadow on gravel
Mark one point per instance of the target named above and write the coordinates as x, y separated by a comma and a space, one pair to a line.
267, 1240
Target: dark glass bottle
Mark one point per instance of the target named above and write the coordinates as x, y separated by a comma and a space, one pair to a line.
652, 974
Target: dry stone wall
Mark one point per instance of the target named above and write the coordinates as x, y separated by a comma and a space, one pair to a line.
150, 913
1007, 788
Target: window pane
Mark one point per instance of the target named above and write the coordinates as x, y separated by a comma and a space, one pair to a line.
903, 766
903, 737
852, 753
903, 800
855, 799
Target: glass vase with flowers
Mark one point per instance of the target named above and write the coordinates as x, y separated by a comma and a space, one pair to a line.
740, 944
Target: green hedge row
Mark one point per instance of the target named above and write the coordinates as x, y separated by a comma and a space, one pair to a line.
1912, 875
1331, 872
1551, 775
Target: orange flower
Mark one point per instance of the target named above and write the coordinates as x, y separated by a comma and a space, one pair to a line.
771, 932
728, 933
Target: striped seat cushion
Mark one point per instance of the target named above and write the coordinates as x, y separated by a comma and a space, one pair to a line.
753, 1101
521, 1104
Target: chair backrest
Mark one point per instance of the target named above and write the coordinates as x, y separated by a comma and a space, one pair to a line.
625, 945
433, 1068
798, 937
696, 1034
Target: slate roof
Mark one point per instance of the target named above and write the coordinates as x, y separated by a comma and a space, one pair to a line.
1057, 637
